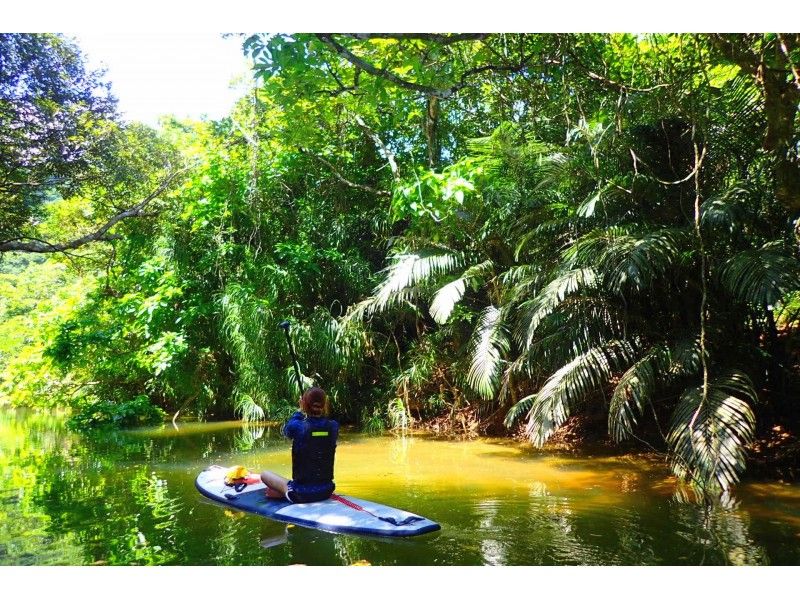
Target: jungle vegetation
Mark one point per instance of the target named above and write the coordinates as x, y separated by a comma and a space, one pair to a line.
509, 229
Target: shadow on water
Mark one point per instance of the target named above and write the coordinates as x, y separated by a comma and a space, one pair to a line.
129, 498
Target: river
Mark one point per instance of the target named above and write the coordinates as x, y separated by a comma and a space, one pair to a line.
129, 498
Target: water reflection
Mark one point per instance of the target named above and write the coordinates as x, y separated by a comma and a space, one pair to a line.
129, 498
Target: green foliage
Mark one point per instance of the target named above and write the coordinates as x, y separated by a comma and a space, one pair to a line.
109, 414
68, 164
519, 224
710, 430
36, 296
594, 261
53, 113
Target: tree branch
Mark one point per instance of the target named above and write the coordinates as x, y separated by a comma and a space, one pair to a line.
787, 52
387, 153
610, 82
441, 38
327, 39
341, 177
438, 92
40, 246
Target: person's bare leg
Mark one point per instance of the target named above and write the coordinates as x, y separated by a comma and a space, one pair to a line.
277, 485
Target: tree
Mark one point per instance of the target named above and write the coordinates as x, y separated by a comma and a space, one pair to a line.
773, 60
61, 138
648, 250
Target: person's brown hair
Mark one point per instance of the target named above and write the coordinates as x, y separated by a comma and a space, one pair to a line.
314, 401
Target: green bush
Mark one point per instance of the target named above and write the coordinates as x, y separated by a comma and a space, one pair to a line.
102, 413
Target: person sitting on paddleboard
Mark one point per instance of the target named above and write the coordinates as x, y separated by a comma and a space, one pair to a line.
313, 448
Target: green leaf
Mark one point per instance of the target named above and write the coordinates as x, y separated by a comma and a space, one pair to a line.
708, 435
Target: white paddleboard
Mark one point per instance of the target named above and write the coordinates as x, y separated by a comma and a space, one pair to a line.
343, 514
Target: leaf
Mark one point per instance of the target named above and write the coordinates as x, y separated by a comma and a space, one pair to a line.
634, 262
762, 276
635, 388
445, 300
587, 208
708, 437
552, 405
535, 310
489, 345
450, 294
724, 212
409, 269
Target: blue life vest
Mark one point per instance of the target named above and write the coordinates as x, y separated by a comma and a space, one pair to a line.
313, 451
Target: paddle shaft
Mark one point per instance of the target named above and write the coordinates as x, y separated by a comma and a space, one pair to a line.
285, 326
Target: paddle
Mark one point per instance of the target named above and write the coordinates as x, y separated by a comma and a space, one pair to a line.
285, 325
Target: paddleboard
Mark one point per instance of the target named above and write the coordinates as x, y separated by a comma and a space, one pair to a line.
342, 514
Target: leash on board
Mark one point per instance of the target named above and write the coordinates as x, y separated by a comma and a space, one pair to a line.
392, 520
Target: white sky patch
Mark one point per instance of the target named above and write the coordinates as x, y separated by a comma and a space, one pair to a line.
188, 74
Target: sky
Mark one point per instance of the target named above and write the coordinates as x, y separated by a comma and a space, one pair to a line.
188, 74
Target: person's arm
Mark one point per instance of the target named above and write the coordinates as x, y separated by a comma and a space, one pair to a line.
294, 426
335, 431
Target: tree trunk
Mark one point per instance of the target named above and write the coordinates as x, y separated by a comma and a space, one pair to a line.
780, 105
769, 62
432, 130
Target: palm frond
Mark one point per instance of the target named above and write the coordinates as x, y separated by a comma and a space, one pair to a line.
551, 169
708, 435
533, 311
245, 407
580, 324
519, 410
553, 228
516, 274
489, 345
761, 276
450, 294
552, 405
632, 393
685, 358
329, 344
408, 270
446, 299
610, 201
590, 248
739, 114
633, 261
292, 381
638, 385
724, 212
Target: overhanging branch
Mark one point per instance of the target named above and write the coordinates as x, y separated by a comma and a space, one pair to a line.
438, 92
327, 39
441, 38
341, 177
101, 234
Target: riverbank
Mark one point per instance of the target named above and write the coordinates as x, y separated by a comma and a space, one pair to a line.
774, 456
